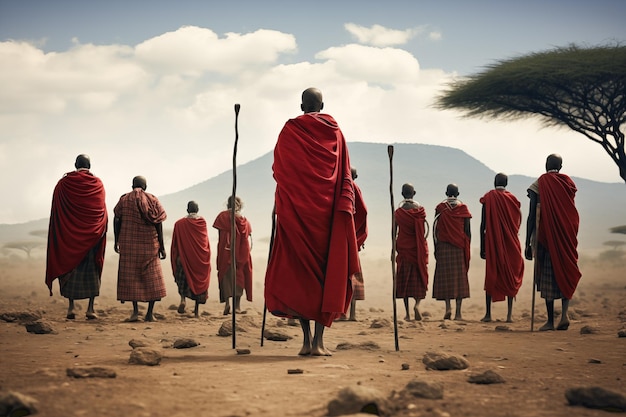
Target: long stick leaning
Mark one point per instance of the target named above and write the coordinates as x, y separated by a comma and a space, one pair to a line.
393, 246
233, 236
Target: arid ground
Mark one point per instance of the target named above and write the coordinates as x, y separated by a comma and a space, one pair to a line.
212, 379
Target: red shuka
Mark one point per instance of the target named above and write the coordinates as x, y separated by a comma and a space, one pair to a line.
360, 217
315, 250
242, 250
411, 243
503, 252
451, 226
558, 228
78, 222
190, 244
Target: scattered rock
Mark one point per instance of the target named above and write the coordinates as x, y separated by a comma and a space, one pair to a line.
295, 371
20, 316
145, 356
364, 345
226, 329
15, 404
621, 333
589, 330
135, 343
380, 323
243, 351
487, 377
596, 397
503, 328
593, 360
443, 362
39, 327
422, 389
358, 399
405, 366
184, 343
91, 372
276, 335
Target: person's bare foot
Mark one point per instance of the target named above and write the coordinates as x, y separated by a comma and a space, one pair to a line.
70, 315
563, 324
418, 316
133, 318
447, 315
91, 315
181, 308
509, 319
407, 318
546, 327
320, 351
150, 318
227, 310
458, 317
486, 319
305, 351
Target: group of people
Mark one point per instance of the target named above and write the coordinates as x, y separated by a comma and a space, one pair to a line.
551, 239
314, 272
77, 242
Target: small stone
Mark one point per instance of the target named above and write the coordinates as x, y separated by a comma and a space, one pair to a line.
135, 343
596, 397
358, 399
503, 328
145, 356
39, 327
380, 323
15, 404
243, 351
422, 389
91, 372
589, 330
184, 343
276, 335
295, 371
444, 362
593, 360
487, 377
406, 366
621, 333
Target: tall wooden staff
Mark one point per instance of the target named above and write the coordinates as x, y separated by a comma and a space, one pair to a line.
393, 246
535, 265
233, 236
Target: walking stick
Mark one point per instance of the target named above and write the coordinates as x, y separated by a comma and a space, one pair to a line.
268, 262
393, 246
233, 236
535, 266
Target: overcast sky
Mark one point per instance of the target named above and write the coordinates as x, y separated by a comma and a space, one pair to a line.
148, 88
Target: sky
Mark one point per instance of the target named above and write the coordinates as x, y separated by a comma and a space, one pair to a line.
148, 88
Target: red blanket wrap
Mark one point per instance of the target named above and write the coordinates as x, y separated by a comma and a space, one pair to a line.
503, 251
190, 245
315, 250
451, 226
360, 217
558, 228
78, 222
411, 244
242, 250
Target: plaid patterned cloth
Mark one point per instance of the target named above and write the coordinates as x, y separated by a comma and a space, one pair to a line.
450, 281
358, 288
226, 287
139, 276
183, 286
409, 283
546, 281
83, 281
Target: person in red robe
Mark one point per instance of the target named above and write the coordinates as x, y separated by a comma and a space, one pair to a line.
77, 236
500, 246
360, 225
552, 239
315, 249
412, 251
138, 227
451, 234
243, 248
190, 256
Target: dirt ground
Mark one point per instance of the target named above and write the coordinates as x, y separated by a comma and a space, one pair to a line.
213, 380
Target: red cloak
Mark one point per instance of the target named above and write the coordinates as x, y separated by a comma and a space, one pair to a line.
360, 217
558, 228
411, 243
78, 222
190, 244
242, 250
315, 250
503, 251
451, 226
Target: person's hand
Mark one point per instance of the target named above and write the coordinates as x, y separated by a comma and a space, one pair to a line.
162, 254
116, 247
528, 253
482, 255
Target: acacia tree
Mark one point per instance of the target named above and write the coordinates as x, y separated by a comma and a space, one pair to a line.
580, 88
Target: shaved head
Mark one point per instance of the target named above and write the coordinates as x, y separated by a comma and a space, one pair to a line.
554, 161
501, 180
452, 190
408, 191
312, 100
82, 161
140, 182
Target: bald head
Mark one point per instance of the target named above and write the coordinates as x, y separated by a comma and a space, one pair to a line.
452, 190
312, 100
82, 161
192, 207
140, 182
501, 180
408, 191
554, 162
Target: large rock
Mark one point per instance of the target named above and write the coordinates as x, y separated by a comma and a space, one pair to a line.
487, 377
226, 329
276, 335
20, 316
145, 356
444, 362
358, 399
184, 343
596, 397
422, 389
15, 404
39, 327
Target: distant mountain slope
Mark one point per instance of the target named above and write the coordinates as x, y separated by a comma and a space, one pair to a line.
428, 167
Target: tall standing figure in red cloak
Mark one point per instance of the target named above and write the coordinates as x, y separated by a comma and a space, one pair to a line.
243, 247
500, 246
77, 236
315, 250
552, 239
190, 256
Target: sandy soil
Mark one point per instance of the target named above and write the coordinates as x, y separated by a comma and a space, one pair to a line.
213, 380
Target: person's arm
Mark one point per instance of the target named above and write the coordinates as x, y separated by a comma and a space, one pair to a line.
468, 232
483, 255
117, 226
531, 224
159, 230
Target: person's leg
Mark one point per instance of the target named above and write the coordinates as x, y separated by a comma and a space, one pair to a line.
91, 313
509, 314
407, 316
353, 310
448, 312
70, 310
195, 309
416, 309
487, 317
238, 304
227, 306
306, 337
149, 315
564, 323
317, 347
458, 315
181, 306
135, 315
549, 325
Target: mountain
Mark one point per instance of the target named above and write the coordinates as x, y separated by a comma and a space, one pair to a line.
428, 167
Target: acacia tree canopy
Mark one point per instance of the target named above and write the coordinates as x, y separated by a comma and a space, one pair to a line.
579, 88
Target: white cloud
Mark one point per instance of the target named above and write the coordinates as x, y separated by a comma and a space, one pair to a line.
378, 35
